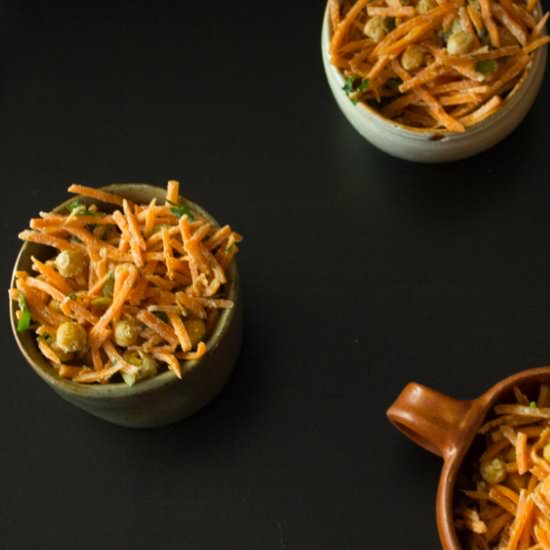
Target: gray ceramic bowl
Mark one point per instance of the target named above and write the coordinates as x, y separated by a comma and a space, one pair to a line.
160, 400
428, 145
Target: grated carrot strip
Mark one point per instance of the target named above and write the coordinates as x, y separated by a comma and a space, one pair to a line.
159, 326
133, 226
150, 218
96, 194
171, 361
173, 192
181, 331
490, 25
99, 333
52, 276
195, 355
43, 238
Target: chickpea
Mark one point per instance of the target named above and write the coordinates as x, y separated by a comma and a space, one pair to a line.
456, 26
146, 364
196, 330
70, 262
126, 333
412, 58
424, 6
494, 471
546, 452
375, 28
64, 356
71, 337
460, 42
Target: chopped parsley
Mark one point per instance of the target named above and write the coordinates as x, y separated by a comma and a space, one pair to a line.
108, 287
363, 86
353, 86
179, 210
101, 301
486, 66
75, 205
25, 317
78, 208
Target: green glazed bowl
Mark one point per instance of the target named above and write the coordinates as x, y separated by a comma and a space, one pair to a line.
156, 401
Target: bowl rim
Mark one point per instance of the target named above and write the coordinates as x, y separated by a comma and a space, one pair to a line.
364, 110
119, 390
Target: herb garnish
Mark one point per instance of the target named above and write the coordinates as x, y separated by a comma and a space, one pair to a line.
486, 66
180, 210
78, 208
108, 287
354, 85
25, 317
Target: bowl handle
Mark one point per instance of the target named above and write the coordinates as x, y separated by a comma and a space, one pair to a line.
430, 419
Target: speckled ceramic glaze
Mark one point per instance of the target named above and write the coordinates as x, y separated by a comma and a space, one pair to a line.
447, 427
428, 145
156, 401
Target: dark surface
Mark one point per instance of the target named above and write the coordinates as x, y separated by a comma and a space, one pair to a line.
360, 273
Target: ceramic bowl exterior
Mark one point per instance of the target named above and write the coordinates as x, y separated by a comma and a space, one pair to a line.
156, 401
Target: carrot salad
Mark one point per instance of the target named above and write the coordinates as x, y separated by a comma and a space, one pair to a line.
506, 502
445, 64
130, 292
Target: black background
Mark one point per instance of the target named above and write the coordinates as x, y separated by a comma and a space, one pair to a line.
360, 273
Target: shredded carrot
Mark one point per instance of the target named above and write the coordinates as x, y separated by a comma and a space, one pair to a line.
52, 276
517, 516
47, 351
138, 263
150, 218
437, 60
66, 371
45, 238
133, 226
181, 332
127, 278
407, 11
195, 355
160, 327
173, 191
96, 194
171, 361
535, 44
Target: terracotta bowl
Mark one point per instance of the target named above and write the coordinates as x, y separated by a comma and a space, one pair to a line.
156, 401
428, 145
447, 427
